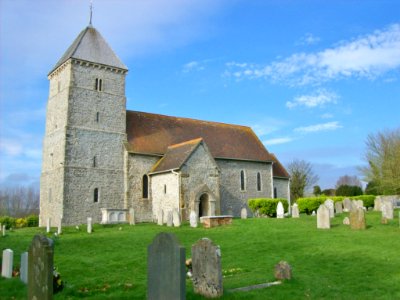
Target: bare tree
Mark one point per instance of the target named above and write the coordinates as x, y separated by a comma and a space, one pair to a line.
302, 177
19, 201
348, 180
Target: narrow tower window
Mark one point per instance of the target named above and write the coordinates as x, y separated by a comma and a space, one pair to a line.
98, 84
145, 186
97, 117
258, 181
96, 195
94, 162
165, 188
242, 181
275, 193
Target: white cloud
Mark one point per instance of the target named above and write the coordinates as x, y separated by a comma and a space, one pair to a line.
10, 147
277, 141
320, 98
327, 116
367, 56
319, 127
267, 126
309, 39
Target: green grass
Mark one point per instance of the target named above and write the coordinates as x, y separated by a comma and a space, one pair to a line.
327, 264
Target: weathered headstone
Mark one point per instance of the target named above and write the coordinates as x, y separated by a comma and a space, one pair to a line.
387, 210
243, 213
131, 216
89, 225
206, 269
160, 217
166, 268
313, 213
176, 218
339, 207
378, 204
283, 271
193, 219
23, 271
330, 205
357, 218
346, 221
7, 263
4, 230
346, 205
48, 225
323, 217
40, 269
360, 203
280, 213
295, 211
59, 227
169, 218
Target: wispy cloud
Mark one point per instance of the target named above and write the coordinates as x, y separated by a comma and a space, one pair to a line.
267, 126
277, 141
367, 56
320, 98
319, 127
309, 39
193, 66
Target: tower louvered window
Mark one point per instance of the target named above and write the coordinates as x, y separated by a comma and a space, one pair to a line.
98, 86
242, 181
96, 195
145, 187
258, 181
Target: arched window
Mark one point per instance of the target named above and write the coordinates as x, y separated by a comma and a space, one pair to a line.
258, 181
98, 86
242, 181
275, 193
96, 195
145, 186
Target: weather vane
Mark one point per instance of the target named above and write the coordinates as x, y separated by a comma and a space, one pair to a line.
91, 12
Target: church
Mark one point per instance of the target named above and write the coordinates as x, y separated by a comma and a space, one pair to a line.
101, 160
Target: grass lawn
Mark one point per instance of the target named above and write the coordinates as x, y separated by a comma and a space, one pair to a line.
327, 264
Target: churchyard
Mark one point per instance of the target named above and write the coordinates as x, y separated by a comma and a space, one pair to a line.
335, 263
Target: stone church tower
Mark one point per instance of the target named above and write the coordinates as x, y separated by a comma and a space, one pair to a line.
83, 148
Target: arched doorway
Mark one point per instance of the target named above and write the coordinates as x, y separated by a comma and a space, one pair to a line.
204, 204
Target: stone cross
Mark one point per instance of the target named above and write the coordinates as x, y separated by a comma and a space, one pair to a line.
347, 205
160, 217
357, 218
330, 205
295, 211
23, 271
323, 217
280, 211
131, 216
40, 269
206, 269
339, 207
243, 213
89, 225
166, 268
7, 263
193, 219
169, 218
176, 218
48, 223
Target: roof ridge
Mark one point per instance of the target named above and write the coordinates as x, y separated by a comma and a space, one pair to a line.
192, 141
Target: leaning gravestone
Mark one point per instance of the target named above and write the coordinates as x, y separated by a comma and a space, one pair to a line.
323, 217
193, 219
280, 211
23, 271
40, 269
7, 263
176, 219
295, 211
160, 217
357, 218
206, 269
166, 268
339, 207
346, 205
330, 205
243, 213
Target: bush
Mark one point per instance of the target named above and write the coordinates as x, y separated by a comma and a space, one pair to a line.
307, 205
8, 221
32, 221
367, 199
267, 206
349, 190
21, 222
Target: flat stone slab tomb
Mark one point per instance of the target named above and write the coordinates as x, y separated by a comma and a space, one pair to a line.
214, 221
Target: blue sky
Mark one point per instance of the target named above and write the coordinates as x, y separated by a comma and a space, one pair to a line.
312, 78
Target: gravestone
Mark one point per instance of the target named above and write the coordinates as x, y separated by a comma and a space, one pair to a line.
176, 219
160, 217
193, 219
339, 207
295, 211
387, 210
23, 271
48, 225
169, 218
360, 203
346, 205
4, 230
243, 213
330, 205
283, 271
280, 211
166, 268
40, 269
346, 221
7, 263
313, 213
89, 225
206, 269
323, 217
357, 218
131, 216
378, 204
59, 227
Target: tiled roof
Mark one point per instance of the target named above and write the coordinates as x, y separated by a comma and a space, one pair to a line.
176, 156
153, 133
278, 169
90, 46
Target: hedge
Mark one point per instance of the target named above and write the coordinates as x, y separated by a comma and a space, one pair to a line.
10, 222
267, 206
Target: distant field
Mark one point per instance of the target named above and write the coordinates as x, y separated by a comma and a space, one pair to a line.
327, 264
